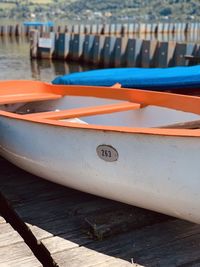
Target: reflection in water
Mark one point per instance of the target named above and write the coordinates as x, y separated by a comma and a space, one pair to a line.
15, 63
42, 69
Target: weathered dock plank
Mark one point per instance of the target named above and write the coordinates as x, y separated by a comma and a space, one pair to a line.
18, 254
172, 243
8, 235
79, 229
86, 257
13, 250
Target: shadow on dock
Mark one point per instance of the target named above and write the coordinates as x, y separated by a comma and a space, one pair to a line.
65, 227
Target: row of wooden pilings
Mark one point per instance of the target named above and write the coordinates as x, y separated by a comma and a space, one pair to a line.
107, 29
112, 50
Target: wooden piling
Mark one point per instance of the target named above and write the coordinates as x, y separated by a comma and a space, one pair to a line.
118, 29
62, 46
171, 28
87, 48
148, 28
18, 30
3, 30
10, 30
108, 50
68, 28
34, 37
106, 29
142, 28
163, 54
77, 47
94, 29
87, 29
165, 28
75, 29
26, 30
97, 50
191, 52
147, 52
59, 29
133, 52
179, 55
125, 28
160, 28
100, 28
82, 29
112, 29
131, 28
118, 51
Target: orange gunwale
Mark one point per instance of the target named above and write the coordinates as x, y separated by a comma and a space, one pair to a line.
28, 91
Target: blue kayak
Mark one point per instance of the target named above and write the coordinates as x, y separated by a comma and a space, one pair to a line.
153, 79
38, 23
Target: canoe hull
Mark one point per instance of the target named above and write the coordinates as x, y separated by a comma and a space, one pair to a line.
150, 172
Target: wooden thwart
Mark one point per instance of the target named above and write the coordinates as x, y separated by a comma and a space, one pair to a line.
11, 99
86, 111
183, 125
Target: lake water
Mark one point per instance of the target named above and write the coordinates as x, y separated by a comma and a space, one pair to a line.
15, 63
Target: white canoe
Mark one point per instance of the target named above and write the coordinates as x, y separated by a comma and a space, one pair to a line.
137, 147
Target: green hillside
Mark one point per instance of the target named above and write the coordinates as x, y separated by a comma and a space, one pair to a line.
98, 10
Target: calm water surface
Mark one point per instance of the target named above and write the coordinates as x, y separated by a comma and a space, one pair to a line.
15, 63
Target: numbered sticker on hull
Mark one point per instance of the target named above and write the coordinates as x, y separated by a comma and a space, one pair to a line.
107, 153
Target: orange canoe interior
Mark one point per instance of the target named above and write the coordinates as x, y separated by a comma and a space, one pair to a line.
12, 92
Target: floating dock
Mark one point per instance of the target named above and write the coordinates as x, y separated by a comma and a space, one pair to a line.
65, 227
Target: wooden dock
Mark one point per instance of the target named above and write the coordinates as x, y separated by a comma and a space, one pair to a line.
112, 51
13, 250
65, 227
113, 45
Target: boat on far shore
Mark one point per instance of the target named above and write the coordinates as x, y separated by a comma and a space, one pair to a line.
134, 146
38, 23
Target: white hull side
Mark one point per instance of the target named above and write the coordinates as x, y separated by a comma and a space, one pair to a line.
160, 173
